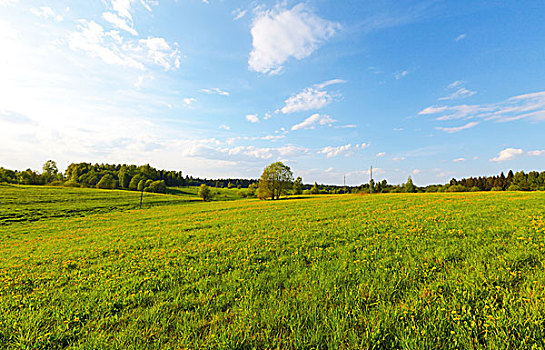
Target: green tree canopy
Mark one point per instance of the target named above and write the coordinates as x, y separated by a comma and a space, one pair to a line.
50, 170
298, 186
409, 187
204, 193
275, 181
315, 189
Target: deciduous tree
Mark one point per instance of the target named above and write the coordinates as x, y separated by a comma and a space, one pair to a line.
275, 181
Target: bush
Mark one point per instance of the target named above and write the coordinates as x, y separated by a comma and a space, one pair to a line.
204, 193
456, 188
497, 188
158, 186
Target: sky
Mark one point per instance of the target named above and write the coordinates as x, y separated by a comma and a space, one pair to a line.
222, 88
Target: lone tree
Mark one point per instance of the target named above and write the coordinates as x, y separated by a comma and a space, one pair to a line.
204, 193
276, 179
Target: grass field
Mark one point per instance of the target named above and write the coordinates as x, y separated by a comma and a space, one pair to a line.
32, 203
411, 271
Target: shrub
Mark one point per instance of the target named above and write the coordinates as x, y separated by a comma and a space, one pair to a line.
158, 186
204, 193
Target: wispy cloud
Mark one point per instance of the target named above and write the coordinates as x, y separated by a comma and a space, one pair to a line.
381, 154
458, 91
238, 14
215, 91
536, 153
189, 101
314, 120
311, 98
280, 34
119, 22
507, 154
458, 128
14, 117
346, 150
523, 107
46, 12
400, 75
458, 94
111, 48
263, 152
8, 2
459, 160
460, 37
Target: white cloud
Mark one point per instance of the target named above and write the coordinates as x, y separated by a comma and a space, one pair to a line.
459, 160
507, 154
7, 33
398, 159
416, 171
528, 106
264, 153
381, 154
238, 13
139, 83
330, 82
123, 8
280, 34
460, 37
93, 40
225, 127
311, 98
459, 93
8, 2
313, 120
189, 101
345, 150
110, 48
46, 12
119, 22
455, 84
537, 153
161, 53
458, 128
252, 118
400, 75
215, 91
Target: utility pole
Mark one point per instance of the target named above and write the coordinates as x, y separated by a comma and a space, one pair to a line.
344, 182
371, 180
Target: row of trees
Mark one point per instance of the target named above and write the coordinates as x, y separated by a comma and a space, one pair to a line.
104, 176
519, 181
276, 180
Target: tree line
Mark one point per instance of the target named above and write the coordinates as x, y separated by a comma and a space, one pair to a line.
518, 181
147, 178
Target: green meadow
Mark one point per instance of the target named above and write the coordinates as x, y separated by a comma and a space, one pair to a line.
87, 269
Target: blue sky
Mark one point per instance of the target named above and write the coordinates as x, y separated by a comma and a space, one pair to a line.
427, 89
